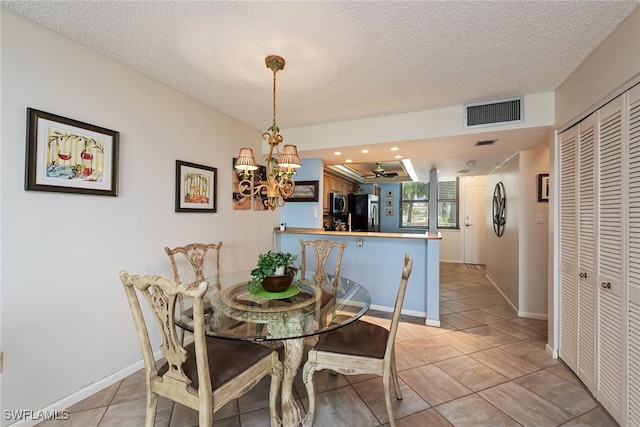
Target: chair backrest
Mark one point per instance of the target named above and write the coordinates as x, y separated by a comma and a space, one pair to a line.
161, 295
397, 308
195, 255
322, 249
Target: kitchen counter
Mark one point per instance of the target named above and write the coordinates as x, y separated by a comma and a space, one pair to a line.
375, 260
329, 234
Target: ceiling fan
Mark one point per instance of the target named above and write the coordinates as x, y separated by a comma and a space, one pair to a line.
379, 172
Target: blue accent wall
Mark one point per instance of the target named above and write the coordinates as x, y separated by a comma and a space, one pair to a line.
306, 214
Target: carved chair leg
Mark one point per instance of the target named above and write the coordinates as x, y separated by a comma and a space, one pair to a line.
387, 399
205, 418
152, 405
307, 377
274, 392
394, 375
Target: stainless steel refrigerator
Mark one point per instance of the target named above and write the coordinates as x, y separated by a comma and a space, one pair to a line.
364, 209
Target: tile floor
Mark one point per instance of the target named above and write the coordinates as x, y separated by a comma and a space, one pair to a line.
482, 367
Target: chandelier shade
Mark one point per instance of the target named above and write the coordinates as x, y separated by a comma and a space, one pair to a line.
246, 160
289, 158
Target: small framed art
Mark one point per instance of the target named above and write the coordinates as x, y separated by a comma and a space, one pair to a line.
69, 156
304, 191
195, 187
543, 187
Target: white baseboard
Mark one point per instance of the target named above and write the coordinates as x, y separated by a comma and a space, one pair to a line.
504, 297
82, 394
525, 314
429, 322
539, 316
551, 351
404, 311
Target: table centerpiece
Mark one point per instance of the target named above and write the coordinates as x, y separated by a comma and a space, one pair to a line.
274, 272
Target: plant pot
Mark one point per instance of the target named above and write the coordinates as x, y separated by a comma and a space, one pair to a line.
277, 283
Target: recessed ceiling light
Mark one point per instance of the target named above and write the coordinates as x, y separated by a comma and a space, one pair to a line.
470, 163
348, 160
337, 153
394, 148
365, 151
463, 171
398, 157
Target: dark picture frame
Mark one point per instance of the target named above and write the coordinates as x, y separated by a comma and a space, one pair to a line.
543, 187
68, 156
305, 191
196, 187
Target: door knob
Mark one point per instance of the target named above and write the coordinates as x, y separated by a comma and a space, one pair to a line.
467, 225
606, 285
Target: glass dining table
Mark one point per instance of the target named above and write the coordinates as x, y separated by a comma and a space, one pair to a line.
232, 311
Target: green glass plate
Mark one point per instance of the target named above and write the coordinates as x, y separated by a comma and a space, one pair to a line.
292, 290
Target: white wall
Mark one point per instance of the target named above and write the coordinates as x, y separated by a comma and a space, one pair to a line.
608, 71
503, 252
517, 261
533, 236
65, 323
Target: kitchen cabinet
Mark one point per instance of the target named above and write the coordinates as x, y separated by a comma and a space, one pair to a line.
335, 184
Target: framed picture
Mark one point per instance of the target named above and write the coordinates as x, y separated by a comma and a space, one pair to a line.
68, 156
195, 187
543, 187
389, 212
305, 191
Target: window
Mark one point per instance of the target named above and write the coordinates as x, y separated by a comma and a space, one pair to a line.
414, 204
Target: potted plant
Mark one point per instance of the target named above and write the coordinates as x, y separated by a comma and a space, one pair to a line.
276, 267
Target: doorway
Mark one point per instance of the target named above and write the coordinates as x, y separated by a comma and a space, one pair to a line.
475, 228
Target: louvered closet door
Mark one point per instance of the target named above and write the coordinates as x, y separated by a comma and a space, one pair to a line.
611, 261
587, 287
568, 345
634, 256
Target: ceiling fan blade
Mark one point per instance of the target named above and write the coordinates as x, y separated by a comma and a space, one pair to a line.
390, 174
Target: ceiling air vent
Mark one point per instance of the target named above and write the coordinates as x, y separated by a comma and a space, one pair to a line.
485, 142
504, 111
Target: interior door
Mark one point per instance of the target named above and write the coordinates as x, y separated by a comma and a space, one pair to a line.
568, 229
475, 227
611, 276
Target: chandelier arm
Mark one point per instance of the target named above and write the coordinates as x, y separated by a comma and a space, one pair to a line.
254, 190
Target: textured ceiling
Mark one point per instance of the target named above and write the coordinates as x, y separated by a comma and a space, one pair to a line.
345, 60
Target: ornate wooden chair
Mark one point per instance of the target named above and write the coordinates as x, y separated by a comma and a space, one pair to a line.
322, 249
360, 348
206, 374
195, 254
188, 263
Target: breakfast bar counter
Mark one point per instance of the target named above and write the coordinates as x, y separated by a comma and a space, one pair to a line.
375, 258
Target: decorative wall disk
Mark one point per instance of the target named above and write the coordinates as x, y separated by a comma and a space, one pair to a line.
499, 209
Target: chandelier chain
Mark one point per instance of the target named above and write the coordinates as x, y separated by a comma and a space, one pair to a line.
275, 70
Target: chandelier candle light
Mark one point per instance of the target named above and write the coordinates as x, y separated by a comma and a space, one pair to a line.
280, 184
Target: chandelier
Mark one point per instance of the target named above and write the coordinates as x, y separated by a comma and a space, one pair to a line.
280, 168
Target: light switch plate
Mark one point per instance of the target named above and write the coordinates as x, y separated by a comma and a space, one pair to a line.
539, 219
